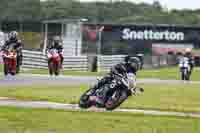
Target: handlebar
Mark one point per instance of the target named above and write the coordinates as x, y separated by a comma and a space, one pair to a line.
9, 56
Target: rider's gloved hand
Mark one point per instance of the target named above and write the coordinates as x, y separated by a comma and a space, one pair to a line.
141, 90
137, 90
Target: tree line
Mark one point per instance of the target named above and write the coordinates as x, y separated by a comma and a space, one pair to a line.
115, 12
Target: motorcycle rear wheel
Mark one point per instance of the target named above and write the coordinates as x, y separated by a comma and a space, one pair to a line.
120, 97
57, 69
8, 69
5, 68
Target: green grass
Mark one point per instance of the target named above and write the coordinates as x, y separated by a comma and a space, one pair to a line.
54, 93
183, 98
15, 120
196, 50
1, 68
167, 73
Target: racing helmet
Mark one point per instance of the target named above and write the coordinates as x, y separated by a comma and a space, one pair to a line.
134, 63
188, 50
13, 35
56, 39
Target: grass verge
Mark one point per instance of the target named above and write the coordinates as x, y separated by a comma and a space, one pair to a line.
182, 98
167, 73
18, 120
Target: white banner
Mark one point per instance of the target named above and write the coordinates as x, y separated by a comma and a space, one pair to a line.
129, 34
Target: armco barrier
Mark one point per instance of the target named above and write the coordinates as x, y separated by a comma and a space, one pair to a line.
36, 60
106, 62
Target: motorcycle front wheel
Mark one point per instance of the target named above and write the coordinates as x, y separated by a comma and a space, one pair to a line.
56, 68
84, 101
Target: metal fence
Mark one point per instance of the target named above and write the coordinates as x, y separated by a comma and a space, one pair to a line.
36, 60
164, 60
106, 62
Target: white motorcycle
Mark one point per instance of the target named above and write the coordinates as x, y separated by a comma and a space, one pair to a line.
184, 67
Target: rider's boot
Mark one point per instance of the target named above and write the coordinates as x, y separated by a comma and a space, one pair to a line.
100, 83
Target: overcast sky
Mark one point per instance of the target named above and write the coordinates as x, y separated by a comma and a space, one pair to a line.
170, 4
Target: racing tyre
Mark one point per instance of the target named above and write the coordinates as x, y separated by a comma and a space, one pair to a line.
84, 101
116, 99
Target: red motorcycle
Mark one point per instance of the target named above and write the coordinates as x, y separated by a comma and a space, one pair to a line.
55, 62
10, 61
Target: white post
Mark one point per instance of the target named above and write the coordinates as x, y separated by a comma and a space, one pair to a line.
99, 43
79, 38
45, 38
99, 47
2, 38
100, 40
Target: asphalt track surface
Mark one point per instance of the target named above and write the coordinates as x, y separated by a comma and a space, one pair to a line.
30, 79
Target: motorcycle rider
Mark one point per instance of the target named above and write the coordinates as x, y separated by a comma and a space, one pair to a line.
15, 43
141, 57
58, 45
188, 54
129, 66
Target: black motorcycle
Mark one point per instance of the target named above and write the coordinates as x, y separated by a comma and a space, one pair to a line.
117, 94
